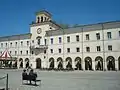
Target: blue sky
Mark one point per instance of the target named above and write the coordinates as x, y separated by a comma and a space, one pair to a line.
16, 15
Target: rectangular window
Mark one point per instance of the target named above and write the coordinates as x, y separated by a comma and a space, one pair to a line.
27, 52
10, 52
51, 50
1, 44
87, 49
87, 37
68, 50
77, 38
27, 43
38, 41
32, 52
16, 44
59, 50
44, 51
21, 43
33, 41
77, 49
110, 47
21, 52
15, 52
119, 33
68, 38
98, 48
6, 44
10, 44
51, 40
60, 40
45, 41
109, 35
98, 36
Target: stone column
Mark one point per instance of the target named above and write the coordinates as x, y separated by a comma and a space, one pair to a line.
116, 65
105, 66
93, 65
83, 65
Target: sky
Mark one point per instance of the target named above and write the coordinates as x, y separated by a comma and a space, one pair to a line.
16, 15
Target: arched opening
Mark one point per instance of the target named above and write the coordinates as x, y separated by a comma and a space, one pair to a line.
38, 63
41, 18
110, 63
26, 63
119, 63
15, 64
51, 61
60, 63
88, 63
78, 63
99, 63
21, 63
69, 63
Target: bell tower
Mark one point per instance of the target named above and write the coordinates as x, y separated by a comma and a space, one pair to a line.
43, 16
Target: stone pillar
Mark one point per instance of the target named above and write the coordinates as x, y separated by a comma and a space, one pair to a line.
73, 65
116, 65
83, 66
93, 65
55, 64
105, 66
64, 64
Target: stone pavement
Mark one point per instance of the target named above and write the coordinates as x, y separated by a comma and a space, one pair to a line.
75, 80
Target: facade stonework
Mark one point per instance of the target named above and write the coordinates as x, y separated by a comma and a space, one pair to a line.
87, 47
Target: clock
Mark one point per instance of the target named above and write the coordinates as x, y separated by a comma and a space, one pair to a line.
39, 30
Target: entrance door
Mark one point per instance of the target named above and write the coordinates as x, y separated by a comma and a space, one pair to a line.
38, 63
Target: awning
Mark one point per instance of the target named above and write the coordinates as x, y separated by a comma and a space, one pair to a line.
6, 56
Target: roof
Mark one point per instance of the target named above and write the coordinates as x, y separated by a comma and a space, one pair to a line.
43, 12
85, 28
16, 37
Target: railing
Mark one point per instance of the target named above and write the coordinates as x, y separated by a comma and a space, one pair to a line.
39, 47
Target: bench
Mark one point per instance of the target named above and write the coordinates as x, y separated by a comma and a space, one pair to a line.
30, 78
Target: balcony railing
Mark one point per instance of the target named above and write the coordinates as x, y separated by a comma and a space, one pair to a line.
39, 47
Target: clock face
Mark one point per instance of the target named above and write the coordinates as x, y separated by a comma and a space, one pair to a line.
39, 30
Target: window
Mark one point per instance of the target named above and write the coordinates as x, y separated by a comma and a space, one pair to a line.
51, 50
98, 48
21, 52
15, 52
110, 47
77, 38
98, 36
87, 49
32, 41
21, 43
119, 33
27, 43
68, 38
38, 41
60, 40
41, 18
16, 44
44, 51
45, 41
6, 44
32, 52
59, 50
10, 44
51, 40
77, 49
109, 35
27, 52
87, 36
68, 50
1, 44
1, 52
10, 52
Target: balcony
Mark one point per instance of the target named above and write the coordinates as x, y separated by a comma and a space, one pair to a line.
39, 47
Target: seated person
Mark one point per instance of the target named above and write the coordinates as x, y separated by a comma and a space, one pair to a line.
24, 74
32, 75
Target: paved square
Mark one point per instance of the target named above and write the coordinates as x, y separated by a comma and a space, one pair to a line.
76, 80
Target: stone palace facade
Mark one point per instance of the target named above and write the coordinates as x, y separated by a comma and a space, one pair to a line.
47, 45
